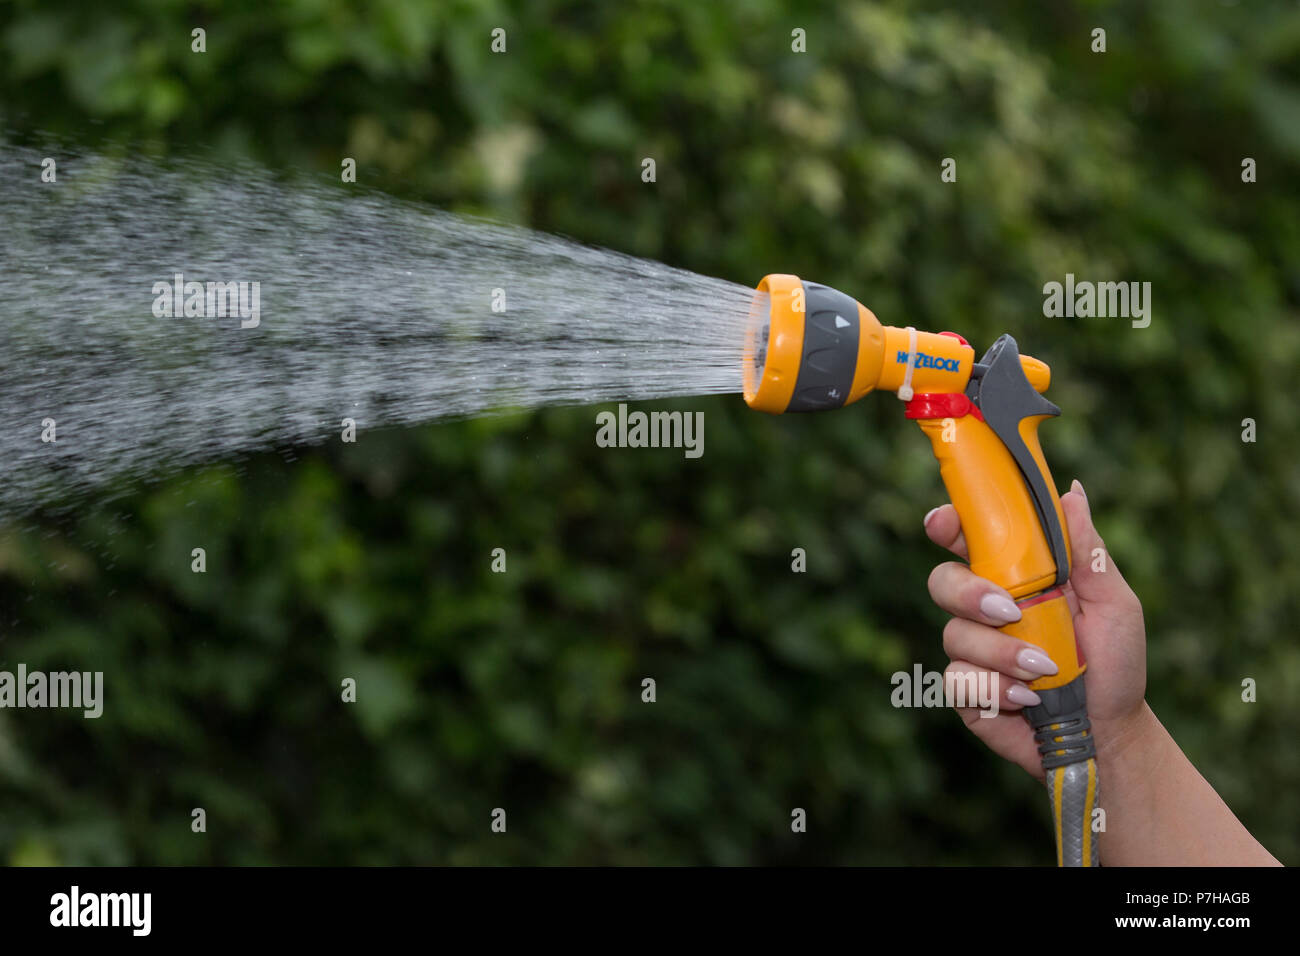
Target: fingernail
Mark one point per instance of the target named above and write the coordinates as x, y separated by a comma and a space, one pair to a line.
1000, 609
1035, 661
1077, 485
1020, 694
928, 515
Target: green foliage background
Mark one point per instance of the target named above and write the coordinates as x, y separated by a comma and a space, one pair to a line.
522, 690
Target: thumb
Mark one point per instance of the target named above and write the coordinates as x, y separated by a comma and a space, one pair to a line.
1093, 574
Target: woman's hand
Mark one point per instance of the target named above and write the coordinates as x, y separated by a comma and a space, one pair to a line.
1107, 624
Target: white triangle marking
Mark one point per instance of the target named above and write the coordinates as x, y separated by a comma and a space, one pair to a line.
841, 322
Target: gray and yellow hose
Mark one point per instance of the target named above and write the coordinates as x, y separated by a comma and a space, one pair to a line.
1069, 754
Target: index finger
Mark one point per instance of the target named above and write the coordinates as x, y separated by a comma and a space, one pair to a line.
943, 527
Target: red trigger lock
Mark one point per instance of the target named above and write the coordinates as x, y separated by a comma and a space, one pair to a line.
941, 405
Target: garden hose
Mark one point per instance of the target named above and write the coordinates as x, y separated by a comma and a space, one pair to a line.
812, 348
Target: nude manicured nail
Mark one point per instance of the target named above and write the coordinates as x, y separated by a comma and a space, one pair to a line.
1035, 661
928, 515
1077, 485
1022, 695
1000, 609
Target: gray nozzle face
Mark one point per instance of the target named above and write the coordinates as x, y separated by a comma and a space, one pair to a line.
760, 326
760, 350
830, 350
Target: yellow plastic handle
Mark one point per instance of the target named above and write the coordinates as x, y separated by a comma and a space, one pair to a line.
1003, 532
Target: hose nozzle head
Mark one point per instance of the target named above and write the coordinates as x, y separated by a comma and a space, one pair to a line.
809, 347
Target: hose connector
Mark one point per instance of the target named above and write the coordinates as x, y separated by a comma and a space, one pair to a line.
1069, 754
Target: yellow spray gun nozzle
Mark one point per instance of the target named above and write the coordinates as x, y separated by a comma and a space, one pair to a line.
810, 348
